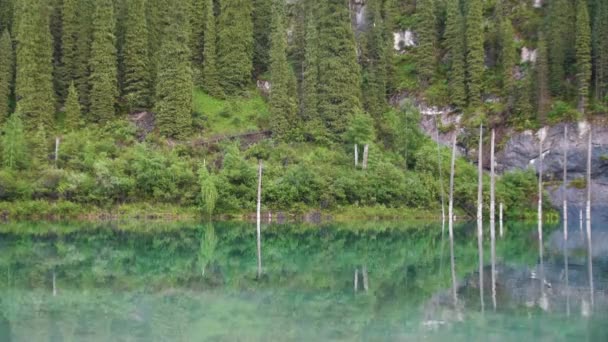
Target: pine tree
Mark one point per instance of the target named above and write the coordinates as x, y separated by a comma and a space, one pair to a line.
507, 57
13, 143
6, 74
339, 73
34, 83
374, 67
39, 148
389, 13
137, 87
559, 41
600, 50
198, 18
69, 39
283, 105
56, 36
262, 14
174, 81
455, 46
210, 81
104, 82
310, 77
427, 37
235, 45
475, 52
72, 109
583, 53
86, 10
543, 93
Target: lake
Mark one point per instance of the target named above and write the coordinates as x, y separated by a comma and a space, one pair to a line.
376, 281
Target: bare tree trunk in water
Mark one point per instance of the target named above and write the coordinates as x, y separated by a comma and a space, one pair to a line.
480, 215
544, 303
365, 278
259, 209
356, 156
56, 150
54, 284
589, 250
365, 155
493, 218
440, 178
502, 232
356, 280
565, 219
451, 222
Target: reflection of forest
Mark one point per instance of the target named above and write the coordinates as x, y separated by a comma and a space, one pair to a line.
196, 282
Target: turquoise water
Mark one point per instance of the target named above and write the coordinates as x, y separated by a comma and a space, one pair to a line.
141, 281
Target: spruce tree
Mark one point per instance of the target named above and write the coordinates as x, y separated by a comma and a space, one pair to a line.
73, 114
389, 14
210, 80
104, 82
34, 83
14, 147
6, 74
427, 38
70, 31
475, 51
543, 93
198, 18
262, 14
374, 67
507, 57
455, 47
600, 50
174, 81
235, 45
56, 36
137, 87
38, 147
310, 77
339, 73
6, 15
283, 105
559, 35
583, 53
86, 10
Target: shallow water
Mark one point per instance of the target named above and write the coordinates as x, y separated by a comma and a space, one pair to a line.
197, 282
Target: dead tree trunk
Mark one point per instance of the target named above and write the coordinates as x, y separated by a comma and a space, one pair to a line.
56, 150
480, 214
356, 156
493, 217
259, 219
365, 155
588, 214
451, 222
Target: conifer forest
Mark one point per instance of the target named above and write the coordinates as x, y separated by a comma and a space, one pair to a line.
169, 105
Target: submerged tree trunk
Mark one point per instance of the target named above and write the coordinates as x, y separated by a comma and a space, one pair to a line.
500, 219
356, 280
480, 215
588, 214
565, 219
493, 218
365, 278
451, 222
540, 206
259, 209
54, 284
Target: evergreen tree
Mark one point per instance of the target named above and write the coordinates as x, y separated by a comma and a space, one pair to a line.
374, 67
137, 85
310, 77
543, 94
283, 105
13, 143
475, 52
104, 83
39, 148
197, 39
210, 81
56, 35
235, 45
389, 12
455, 46
6, 15
427, 37
583, 53
507, 57
6, 74
86, 10
174, 80
69, 41
262, 14
522, 106
600, 50
72, 109
34, 84
339, 74
559, 41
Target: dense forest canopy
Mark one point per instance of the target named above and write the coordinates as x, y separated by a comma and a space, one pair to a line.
327, 69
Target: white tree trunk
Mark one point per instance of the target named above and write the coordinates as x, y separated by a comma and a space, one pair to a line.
588, 214
356, 156
365, 155
493, 218
500, 219
480, 214
440, 178
54, 284
259, 209
365, 278
451, 222
56, 150
540, 216
356, 280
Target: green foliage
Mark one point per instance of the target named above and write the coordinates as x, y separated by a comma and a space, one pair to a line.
542, 80
361, 129
137, 86
39, 148
583, 53
427, 37
210, 81
6, 74
262, 33
235, 45
561, 27
13, 143
475, 51
455, 46
103, 78
309, 104
600, 50
174, 84
507, 57
86, 11
374, 63
208, 190
34, 83
73, 114
562, 111
69, 41
236, 183
282, 102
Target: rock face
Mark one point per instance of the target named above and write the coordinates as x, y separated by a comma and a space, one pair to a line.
528, 55
403, 39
